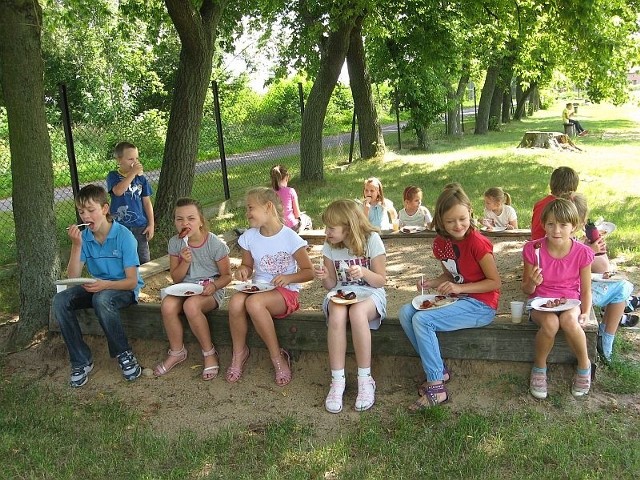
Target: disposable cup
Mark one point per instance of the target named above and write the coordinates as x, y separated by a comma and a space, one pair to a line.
396, 225
517, 309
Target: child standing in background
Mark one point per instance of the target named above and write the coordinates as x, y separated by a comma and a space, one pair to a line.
414, 214
131, 197
200, 257
563, 180
558, 266
109, 251
377, 209
271, 254
354, 260
468, 267
292, 216
498, 212
611, 295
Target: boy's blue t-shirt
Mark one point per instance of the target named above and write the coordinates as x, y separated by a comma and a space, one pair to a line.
127, 209
109, 260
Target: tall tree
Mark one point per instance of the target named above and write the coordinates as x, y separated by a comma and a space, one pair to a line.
197, 30
21, 78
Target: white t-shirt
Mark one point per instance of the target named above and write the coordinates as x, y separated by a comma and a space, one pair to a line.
508, 215
204, 257
272, 256
421, 218
342, 258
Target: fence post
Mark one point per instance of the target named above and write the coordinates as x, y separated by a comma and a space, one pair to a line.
68, 138
353, 135
398, 117
301, 98
223, 157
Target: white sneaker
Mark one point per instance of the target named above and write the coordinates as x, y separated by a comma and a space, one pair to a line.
366, 393
333, 403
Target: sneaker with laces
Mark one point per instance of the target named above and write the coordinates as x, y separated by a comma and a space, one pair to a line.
581, 384
366, 393
538, 385
129, 365
333, 402
80, 375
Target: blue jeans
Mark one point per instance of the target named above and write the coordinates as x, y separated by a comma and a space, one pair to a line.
106, 305
421, 326
144, 255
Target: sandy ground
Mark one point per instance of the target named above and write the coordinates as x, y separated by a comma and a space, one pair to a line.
181, 400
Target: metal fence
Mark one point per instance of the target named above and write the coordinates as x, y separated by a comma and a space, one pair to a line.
90, 149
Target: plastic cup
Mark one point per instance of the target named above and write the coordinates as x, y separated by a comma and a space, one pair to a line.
396, 225
517, 309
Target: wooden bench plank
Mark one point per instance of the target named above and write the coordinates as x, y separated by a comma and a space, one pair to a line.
307, 331
318, 236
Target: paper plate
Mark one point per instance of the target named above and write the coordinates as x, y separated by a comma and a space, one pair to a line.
537, 303
493, 229
599, 277
443, 302
361, 294
245, 287
75, 281
606, 227
184, 289
412, 229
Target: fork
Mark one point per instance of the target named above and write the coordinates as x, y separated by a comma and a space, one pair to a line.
80, 225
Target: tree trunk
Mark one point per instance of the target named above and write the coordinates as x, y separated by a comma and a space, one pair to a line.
522, 103
333, 54
506, 104
484, 105
371, 138
455, 100
197, 31
21, 77
495, 110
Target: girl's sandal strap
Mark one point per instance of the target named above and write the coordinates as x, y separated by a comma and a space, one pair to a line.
209, 373
283, 376
234, 373
429, 398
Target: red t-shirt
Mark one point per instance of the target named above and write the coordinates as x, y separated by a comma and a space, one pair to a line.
537, 230
462, 259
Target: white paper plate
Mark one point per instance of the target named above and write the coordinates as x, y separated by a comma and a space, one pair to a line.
184, 289
537, 303
598, 277
417, 301
412, 229
75, 281
493, 229
606, 227
245, 286
361, 294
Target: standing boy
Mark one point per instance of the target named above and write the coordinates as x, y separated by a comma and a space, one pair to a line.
109, 251
131, 197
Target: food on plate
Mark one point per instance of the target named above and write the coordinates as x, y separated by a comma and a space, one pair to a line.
426, 304
184, 232
189, 292
251, 288
608, 275
438, 301
345, 295
554, 302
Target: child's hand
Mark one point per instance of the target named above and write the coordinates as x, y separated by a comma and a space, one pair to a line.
243, 273
582, 318
446, 288
536, 276
136, 167
320, 272
281, 280
355, 272
423, 284
96, 286
185, 254
75, 234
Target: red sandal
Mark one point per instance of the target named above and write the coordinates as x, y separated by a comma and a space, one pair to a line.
283, 375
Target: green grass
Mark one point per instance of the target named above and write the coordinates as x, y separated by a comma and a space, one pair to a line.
47, 433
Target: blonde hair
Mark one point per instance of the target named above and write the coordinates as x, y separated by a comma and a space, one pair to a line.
499, 195
267, 196
357, 228
563, 210
376, 183
449, 198
185, 202
580, 201
278, 173
411, 192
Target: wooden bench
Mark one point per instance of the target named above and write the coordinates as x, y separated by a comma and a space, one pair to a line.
318, 236
307, 331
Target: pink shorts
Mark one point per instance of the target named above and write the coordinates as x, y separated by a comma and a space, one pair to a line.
290, 300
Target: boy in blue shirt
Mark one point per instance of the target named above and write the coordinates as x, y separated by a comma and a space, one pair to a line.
109, 251
131, 197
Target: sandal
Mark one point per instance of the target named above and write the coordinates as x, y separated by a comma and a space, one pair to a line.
430, 399
180, 355
234, 373
283, 376
209, 373
446, 374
